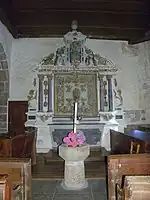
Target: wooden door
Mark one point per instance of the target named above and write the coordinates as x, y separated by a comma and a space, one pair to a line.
17, 117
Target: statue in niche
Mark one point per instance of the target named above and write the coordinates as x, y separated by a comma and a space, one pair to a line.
75, 52
60, 56
32, 96
117, 95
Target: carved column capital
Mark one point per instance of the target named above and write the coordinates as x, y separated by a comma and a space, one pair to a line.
41, 77
108, 77
49, 76
100, 77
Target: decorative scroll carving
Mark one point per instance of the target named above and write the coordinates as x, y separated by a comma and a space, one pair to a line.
117, 95
69, 86
32, 96
48, 59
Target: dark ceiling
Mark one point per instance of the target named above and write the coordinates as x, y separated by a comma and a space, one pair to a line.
103, 19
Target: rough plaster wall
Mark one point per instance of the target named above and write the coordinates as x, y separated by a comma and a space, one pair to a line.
6, 40
5, 57
130, 60
144, 79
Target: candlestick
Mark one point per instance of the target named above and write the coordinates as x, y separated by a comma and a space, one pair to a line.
75, 116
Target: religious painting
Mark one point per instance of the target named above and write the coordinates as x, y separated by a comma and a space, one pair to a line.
75, 86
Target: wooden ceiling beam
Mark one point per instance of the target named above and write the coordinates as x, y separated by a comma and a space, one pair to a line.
80, 27
137, 6
104, 33
104, 11
96, 19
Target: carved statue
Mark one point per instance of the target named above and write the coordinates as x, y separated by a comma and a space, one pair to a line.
32, 96
117, 95
94, 59
89, 60
100, 60
59, 59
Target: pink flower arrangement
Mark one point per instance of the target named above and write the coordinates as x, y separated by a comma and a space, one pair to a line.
74, 139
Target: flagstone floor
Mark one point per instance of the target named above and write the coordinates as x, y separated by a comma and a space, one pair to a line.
52, 190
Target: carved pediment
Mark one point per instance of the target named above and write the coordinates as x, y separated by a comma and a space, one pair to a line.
76, 53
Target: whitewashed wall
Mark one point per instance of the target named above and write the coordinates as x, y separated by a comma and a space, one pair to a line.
26, 53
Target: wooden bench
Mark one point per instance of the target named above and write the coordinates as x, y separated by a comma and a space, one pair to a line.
125, 164
18, 172
135, 141
133, 187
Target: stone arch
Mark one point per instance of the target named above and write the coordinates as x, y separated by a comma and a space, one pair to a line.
4, 89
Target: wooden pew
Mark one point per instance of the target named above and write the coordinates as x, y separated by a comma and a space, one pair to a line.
22, 145
133, 187
19, 175
135, 141
125, 164
5, 188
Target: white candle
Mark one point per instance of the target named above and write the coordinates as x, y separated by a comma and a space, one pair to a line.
75, 116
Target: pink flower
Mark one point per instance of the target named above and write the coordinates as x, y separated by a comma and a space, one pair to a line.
67, 140
74, 139
74, 143
72, 136
80, 140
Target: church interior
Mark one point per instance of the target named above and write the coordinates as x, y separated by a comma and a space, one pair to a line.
74, 99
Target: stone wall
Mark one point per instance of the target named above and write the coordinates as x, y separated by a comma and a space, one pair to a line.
4, 89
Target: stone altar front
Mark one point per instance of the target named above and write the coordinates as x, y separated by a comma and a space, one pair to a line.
73, 71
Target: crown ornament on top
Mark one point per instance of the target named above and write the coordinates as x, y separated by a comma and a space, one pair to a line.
74, 25
74, 36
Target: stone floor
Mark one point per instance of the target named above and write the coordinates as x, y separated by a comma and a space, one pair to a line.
52, 190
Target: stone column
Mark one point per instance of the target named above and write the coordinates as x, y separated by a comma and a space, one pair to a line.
74, 174
40, 93
101, 92
50, 93
110, 92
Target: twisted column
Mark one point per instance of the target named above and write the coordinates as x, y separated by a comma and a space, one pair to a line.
50, 109
40, 93
110, 92
101, 92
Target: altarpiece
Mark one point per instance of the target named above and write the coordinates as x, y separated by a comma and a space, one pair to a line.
73, 71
